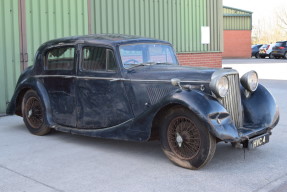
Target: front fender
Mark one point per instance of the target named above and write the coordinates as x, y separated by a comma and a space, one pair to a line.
207, 108
36, 85
210, 111
260, 108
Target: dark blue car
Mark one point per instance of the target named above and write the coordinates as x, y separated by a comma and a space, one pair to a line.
280, 50
255, 50
132, 88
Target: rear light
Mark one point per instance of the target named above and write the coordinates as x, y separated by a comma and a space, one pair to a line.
267, 47
281, 47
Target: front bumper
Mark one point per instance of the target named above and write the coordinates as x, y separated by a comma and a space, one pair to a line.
263, 55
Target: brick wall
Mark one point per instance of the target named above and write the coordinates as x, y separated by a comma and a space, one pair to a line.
237, 44
213, 60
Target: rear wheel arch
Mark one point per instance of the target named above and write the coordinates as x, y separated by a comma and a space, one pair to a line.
43, 96
33, 112
19, 101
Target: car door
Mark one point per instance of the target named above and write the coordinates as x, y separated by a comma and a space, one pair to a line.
101, 95
59, 79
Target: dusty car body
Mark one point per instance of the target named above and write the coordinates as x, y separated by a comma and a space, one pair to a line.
132, 88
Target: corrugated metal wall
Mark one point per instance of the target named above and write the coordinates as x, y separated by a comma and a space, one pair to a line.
236, 19
45, 20
50, 19
177, 21
9, 50
230, 10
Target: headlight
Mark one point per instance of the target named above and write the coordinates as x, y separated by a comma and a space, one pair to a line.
250, 81
219, 86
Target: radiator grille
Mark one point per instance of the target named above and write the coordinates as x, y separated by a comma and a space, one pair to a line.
232, 102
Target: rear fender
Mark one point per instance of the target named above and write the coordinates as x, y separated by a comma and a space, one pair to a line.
37, 86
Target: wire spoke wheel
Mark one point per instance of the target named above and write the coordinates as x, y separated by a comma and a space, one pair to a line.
183, 137
34, 112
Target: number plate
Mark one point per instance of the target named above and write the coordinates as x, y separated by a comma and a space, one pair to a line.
258, 141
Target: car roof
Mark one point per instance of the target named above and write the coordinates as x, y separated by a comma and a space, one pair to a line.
104, 39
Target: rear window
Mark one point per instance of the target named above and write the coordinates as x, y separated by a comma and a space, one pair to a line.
264, 46
281, 44
61, 58
256, 46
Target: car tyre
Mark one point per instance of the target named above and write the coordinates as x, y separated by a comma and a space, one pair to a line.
257, 55
185, 140
33, 114
285, 55
271, 56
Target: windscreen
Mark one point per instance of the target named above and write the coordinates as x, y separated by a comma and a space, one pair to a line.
147, 53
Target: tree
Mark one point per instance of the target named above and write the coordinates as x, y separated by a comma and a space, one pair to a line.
282, 18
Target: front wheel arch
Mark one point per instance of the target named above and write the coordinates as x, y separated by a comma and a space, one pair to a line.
159, 117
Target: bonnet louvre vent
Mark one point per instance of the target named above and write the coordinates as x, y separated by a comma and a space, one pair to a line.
156, 93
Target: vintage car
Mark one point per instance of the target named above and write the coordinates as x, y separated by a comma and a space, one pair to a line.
132, 88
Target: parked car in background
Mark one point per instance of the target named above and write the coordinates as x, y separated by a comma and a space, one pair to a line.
255, 50
280, 50
133, 88
266, 51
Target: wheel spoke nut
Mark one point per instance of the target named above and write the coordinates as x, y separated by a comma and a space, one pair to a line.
30, 113
179, 139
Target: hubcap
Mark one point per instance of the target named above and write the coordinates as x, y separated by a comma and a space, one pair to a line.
179, 139
183, 137
34, 112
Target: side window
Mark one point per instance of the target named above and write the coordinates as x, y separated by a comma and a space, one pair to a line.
60, 58
98, 59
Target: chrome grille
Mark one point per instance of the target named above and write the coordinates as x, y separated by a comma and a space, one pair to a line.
232, 102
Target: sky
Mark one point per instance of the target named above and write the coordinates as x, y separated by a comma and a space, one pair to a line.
262, 9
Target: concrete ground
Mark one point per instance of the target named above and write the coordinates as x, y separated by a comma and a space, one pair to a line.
64, 162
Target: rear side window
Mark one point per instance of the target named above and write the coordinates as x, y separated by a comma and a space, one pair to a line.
98, 59
61, 58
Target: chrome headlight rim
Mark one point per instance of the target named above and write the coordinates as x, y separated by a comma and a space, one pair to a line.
220, 86
250, 81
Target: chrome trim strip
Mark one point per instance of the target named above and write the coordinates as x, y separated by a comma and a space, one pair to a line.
115, 79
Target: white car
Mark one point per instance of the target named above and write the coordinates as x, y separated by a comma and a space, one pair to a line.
266, 51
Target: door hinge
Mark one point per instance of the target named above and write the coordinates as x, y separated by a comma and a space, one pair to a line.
23, 57
26, 57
